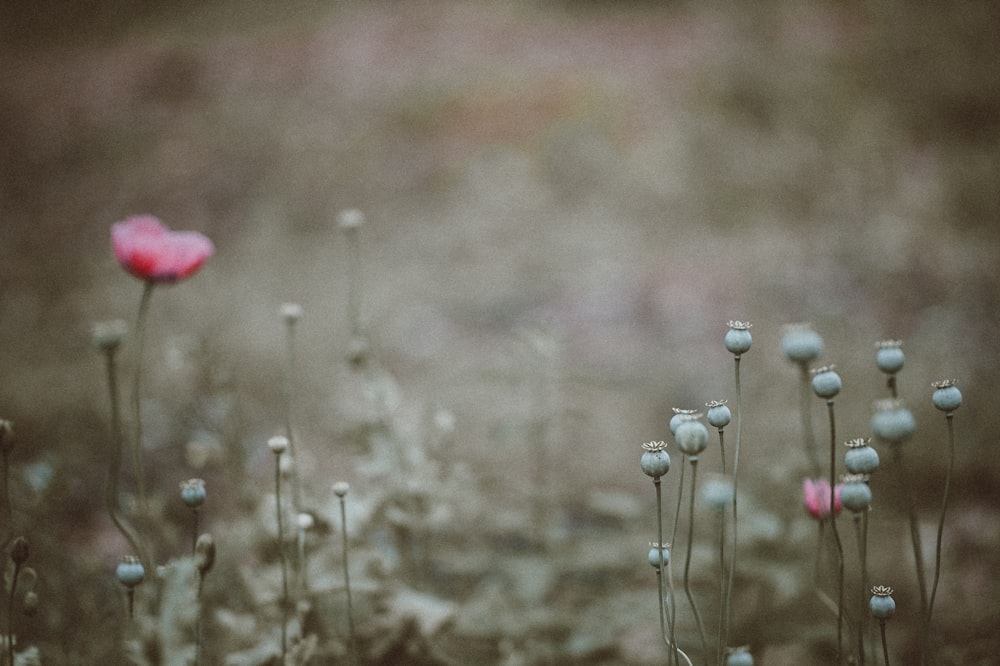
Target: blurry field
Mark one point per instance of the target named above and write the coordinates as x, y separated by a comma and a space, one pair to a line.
609, 184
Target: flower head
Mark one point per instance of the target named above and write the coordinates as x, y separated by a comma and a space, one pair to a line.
816, 497
147, 249
946, 396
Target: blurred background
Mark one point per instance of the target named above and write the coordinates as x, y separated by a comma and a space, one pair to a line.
565, 203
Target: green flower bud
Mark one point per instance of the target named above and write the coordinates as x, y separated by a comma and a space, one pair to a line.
692, 436
655, 461
860, 457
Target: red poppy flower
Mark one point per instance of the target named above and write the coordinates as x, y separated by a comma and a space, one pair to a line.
816, 496
150, 251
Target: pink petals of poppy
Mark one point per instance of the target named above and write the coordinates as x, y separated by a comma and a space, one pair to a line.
816, 496
150, 251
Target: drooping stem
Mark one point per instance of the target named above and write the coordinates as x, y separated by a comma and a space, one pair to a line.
836, 534
114, 466
940, 529
281, 553
137, 453
918, 555
687, 561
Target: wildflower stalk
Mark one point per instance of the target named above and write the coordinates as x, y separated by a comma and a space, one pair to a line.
885, 645
940, 530
918, 556
137, 453
861, 531
18, 555
687, 560
291, 312
805, 414
109, 344
723, 602
673, 539
662, 583
340, 489
279, 445
736, 467
833, 524
6, 446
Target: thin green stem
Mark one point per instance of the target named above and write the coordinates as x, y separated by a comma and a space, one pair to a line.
805, 413
860, 528
736, 468
194, 529
918, 555
940, 530
890, 383
687, 561
836, 534
137, 453
673, 540
289, 402
354, 280
114, 467
347, 580
721, 641
10, 613
281, 552
885, 645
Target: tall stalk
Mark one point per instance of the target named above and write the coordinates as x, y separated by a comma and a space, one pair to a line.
836, 533
137, 452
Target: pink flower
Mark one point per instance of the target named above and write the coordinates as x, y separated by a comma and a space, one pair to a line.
150, 251
816, 495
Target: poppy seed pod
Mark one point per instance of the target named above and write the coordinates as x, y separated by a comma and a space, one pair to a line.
855, 493
655, 461
718, 414
340, 488
130, 571
860, 458
278, 444
801, 344
738, 338
826, 383
656, 552
193, 492
946, 396
889, 356
892, 422
882, 604
739, 656
680, 415
692, 436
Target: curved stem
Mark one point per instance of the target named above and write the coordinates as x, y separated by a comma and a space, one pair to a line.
687, 561
836, 534
940, 529
918, 555
114, 468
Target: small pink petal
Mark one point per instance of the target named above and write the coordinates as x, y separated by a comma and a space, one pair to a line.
147, 249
